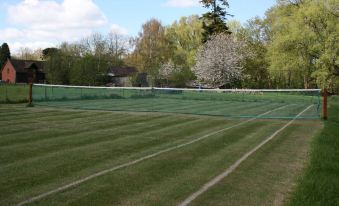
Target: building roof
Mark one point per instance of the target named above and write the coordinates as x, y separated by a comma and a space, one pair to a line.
22, 65
336, 71
121, 71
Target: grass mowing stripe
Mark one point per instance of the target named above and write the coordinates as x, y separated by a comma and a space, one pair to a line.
48, 120
29, 113
188, 104
229, 170
240, 106
71, 142
8, 139
97, 124
103, 172
40, 137
211, 107
29, 116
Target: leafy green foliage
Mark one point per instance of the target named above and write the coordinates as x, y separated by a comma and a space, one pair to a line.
87, 71
254, 35
57, 67
304, 42
151, 49
185, 38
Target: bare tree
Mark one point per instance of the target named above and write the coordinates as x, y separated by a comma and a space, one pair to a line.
29, 54
219, 61
118, 45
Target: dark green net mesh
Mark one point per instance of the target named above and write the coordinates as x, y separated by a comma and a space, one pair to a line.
228, 103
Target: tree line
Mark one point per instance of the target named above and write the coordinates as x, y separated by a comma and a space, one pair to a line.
294, 46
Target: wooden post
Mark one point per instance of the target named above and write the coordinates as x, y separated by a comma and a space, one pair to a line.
6, 92
325, 104
30, 98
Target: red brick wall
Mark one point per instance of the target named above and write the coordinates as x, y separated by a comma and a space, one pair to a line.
8, 73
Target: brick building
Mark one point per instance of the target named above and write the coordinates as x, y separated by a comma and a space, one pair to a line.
22, 71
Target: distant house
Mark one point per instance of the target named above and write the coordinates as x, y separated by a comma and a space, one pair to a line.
121, 76
22, 71
336, 71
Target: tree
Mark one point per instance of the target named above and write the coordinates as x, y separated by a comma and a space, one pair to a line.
118, 46
85, 71
151, 48
166, 71
214, 21
57, 66
219, 61
304, 44
28, 54
4, 54
185, 38
48, 52
255, 35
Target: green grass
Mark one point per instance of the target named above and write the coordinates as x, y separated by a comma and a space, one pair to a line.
13, 93
43, 148
320, 183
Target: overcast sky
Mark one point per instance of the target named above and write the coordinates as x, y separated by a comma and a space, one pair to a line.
46, 23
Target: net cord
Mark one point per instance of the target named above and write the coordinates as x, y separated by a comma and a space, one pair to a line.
182, 89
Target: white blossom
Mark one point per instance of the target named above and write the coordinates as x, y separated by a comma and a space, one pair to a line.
167, 70
219, 61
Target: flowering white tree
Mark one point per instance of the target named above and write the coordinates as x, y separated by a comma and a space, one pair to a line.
219, 61
166, 70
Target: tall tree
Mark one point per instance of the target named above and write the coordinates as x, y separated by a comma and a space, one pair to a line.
255, 35
118, 46
214, 21
152, 48
185, 38
4, 54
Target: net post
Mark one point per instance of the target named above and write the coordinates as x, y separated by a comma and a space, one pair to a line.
30, 95
325, 104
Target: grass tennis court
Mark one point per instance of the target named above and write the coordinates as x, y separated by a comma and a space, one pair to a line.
164, 157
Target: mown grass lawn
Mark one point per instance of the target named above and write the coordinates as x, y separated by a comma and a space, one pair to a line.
320, 183
43, 148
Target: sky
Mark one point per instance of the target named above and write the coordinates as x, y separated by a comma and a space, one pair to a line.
46, 23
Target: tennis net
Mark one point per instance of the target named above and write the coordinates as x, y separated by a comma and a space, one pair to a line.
233, 103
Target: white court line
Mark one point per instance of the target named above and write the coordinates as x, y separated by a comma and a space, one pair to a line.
103, 172
230, 169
